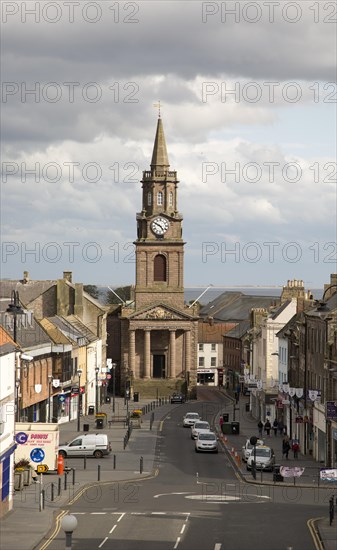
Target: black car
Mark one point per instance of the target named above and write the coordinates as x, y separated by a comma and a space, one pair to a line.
177, 398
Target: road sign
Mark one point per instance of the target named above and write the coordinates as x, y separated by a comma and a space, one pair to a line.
42, 468
37, 455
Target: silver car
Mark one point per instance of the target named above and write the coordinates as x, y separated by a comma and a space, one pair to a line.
265, 458
199, 427
207, 442
190, 418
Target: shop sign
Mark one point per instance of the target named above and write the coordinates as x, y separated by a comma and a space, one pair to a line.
331, 410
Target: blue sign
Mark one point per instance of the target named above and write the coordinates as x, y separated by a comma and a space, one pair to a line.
37, 455
62, 398
21, 438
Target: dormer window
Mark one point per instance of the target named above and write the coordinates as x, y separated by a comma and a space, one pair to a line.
159, 198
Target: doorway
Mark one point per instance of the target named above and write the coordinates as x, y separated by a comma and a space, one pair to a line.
159, 366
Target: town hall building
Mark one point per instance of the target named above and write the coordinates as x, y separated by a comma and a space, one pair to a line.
153, 340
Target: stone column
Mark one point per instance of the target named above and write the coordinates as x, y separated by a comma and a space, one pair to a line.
187, 351
132, 350
147, 354
172, 371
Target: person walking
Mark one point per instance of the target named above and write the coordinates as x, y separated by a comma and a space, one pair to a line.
267, 428
275, 427
285, 447
260, 427
295, 448
281, 428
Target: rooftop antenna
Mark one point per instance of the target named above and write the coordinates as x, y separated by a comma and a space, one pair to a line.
200, 296
157, 105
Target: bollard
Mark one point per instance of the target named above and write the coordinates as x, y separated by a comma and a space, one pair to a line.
85, 462
114, 462
43, 498
52, 492
41, 501
65, 480
99, 472
59, 487
60, 464
74, 470
141, 465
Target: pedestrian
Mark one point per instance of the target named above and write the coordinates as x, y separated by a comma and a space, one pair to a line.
275, 427
267, 427
221, 422
285, 447
260, 427
281, 428
295, 448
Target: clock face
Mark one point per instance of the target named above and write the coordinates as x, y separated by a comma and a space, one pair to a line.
159, 225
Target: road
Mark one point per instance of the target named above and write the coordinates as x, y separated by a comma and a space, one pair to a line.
194, 502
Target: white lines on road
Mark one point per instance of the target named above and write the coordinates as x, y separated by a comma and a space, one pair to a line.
217, 546
182, 530
121, 517
98, 513
168, 494
112, 529
103, 541
177, 542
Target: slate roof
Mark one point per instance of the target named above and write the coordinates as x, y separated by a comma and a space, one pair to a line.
212, 334
236, 306
239, 330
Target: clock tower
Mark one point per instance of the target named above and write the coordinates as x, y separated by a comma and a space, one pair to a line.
158, 333
159, 244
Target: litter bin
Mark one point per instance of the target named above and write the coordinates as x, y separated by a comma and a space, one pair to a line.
99, 423
247, 407
107, 399
91, 409
276, 473
225, 417
85, 427
226, 428
235, 428
136, 397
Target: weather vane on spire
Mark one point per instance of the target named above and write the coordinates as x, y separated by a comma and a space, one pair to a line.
158, 106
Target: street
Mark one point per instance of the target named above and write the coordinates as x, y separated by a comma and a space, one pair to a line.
195, 501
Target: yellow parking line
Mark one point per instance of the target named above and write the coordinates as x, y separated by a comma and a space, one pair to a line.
56, 530
314, 533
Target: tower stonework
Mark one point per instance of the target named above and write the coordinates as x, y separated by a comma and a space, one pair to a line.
159, 333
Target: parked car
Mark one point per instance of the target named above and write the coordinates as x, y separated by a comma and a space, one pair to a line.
248, 447
190, 418
177, 398
265, 458
96, 445
206, 441
199, 427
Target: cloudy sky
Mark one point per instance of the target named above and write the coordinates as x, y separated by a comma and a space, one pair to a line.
248, 101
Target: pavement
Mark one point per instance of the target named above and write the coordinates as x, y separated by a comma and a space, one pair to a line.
26, 525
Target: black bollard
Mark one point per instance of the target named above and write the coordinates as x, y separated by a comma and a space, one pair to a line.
114, 462
141, 465
74, 470
59, 487
99, 472
52, 492
85, 462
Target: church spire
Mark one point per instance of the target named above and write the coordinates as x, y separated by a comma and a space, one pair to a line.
159, 156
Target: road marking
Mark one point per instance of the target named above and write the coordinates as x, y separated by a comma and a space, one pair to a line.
121, 516
106, 538
98, 513
56, 530
113, 528
314, 533
176, 544
183, 529
158, 513
168, 494
217, 546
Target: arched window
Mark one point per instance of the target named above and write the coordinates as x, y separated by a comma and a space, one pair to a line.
160, 198
171, 198
149, 198
159, 269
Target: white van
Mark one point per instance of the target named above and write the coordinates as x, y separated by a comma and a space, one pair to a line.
96, 445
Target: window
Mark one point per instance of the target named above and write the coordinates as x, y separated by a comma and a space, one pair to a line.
213, 361
201, 347
159, 269
201, 361
149, 198
159, 198
171, 198
213, 347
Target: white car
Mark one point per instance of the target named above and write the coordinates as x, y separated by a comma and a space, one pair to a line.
265, 458
206, 441
190, 418
199, 427
248, 448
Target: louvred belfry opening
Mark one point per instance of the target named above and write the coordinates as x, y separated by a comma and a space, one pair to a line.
159, 268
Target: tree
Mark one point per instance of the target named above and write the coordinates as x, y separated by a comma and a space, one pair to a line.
92, 290
124, 292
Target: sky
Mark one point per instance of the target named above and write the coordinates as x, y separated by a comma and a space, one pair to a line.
248, 102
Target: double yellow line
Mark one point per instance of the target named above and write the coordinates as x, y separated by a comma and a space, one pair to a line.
314, 533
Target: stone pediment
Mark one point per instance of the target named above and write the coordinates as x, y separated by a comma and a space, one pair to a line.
160, 312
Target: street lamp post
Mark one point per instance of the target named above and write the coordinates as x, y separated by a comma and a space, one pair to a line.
79, 372
113, 366
15, 309
17, 386
69, 524
96, 394
50, 380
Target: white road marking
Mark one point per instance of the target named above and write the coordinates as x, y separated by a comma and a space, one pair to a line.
217, 546
113, 528
98, 513
106, 538
183, 529
176, 544
121, 517
168, 494
158, 513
